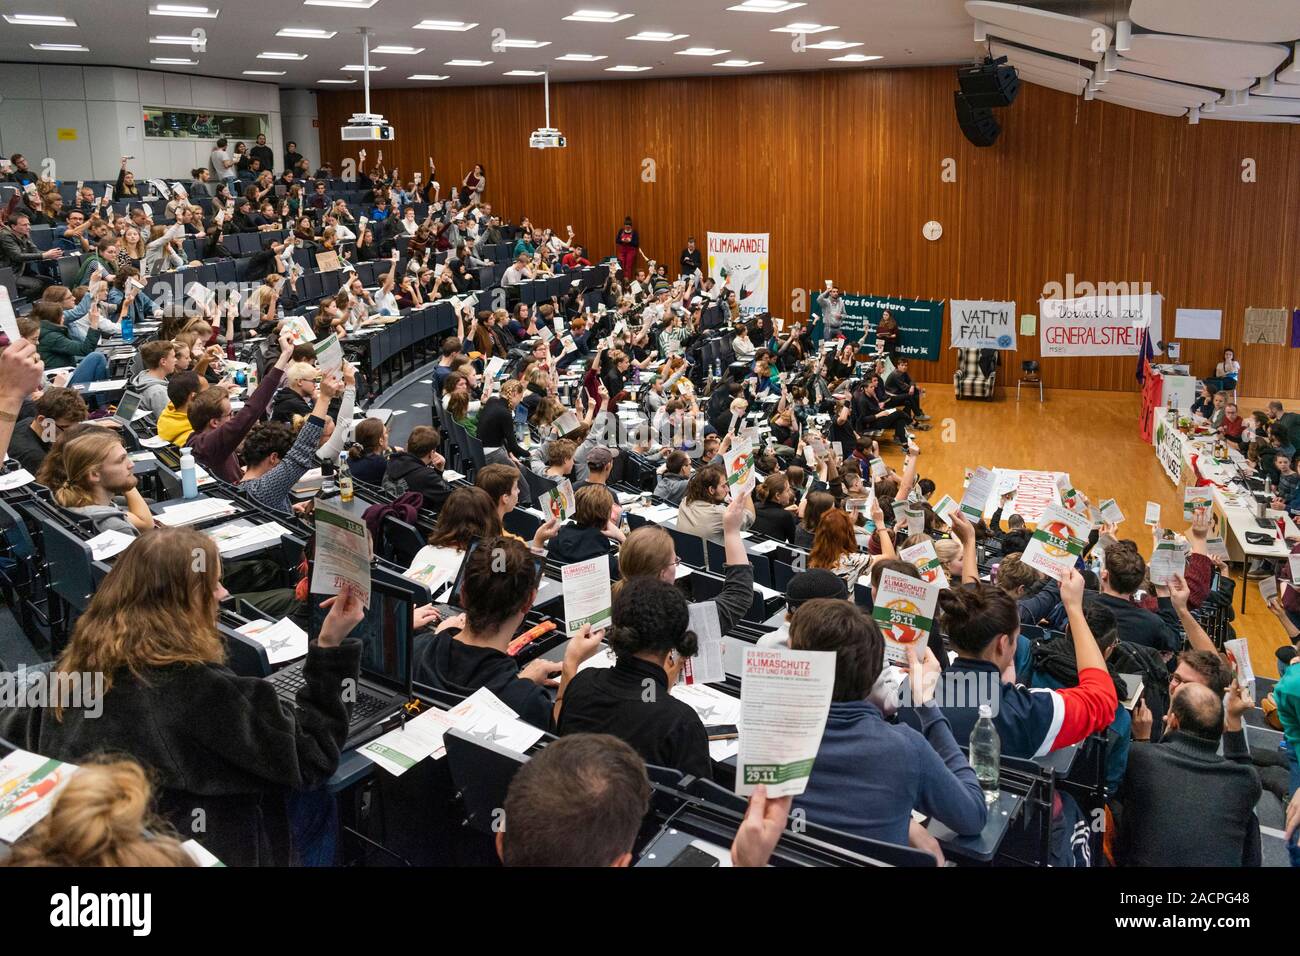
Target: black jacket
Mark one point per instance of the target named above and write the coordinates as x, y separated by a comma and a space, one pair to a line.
1137, 625
574, 544
1185, 805
630, 700
447, 664
775, 522
496, 427
221, 749
427, 480
288, 403
26, 446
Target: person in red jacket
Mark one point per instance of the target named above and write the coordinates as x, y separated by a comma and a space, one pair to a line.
628, 244
218, 434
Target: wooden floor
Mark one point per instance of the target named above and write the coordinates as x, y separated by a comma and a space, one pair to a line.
1091, 435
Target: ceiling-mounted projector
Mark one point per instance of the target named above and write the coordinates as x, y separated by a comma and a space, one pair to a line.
546, 138
366, 126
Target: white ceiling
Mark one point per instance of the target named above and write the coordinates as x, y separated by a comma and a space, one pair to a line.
902, 32
1183, 53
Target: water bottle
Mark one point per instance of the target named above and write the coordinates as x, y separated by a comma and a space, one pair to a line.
240, 377
128, 329
189, 474
344, 478
986, 753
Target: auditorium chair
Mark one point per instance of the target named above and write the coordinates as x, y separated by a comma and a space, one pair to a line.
1030, 374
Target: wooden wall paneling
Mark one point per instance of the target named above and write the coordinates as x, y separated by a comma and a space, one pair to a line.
843, 168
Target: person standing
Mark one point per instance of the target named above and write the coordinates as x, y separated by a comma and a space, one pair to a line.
832, 306
690, 258
628, 244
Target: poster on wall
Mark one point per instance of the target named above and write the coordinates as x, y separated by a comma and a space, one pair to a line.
1097, 325
982, 325
920, 322
740, 262
1266, 326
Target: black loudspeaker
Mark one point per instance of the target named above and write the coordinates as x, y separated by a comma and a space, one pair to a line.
977, 124
989, 84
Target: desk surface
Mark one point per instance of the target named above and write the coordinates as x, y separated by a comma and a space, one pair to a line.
983, 847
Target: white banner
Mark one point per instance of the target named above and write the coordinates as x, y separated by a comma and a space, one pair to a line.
983, 325
739, 261
1098, 325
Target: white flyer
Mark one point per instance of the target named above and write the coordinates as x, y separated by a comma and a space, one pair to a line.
1196, 499
926, 560
1238, 652
945, 507
1294, 562
1218, 548
283, 640
903, 608
586, 594
560, 501
1152, 518
28, 785
8, 321
914, 518
740, 468
785, 699
329, 354
342, 552
108, 544
1110, 512
706, 666
977, 493
1058, 540
16, 479
1168, 558
1268, 588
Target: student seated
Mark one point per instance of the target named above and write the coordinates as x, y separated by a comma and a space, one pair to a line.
869, 775
103, 817
835, 548
677, 475
469, 651
219, 747
983, 624
701, 511
1037, 596
86, 470
1123, 573
57, 410
159, 360
582, 801
295, 399
651, 639
368, 456
594, 530
174, 422
419, 468
1184, 804
772, 515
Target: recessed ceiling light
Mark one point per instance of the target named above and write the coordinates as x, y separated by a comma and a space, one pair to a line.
38, 20
459, 26
701, 51
803, 28
854, 58
273, 55
468, 63
403, 50
60, 47
358, 68
624, 68
428, 76
173, 61
336, 81
597, 16
524, 73
764, 6
186, 40
582, 57
264, 73
740, 63
307, 33
180, 10
832, 45
346, 4
523, 44
658, 36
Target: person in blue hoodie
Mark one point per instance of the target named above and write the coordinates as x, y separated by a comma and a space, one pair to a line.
869, 774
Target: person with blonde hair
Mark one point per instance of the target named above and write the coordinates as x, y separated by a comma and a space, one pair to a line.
103, 817
86, 470
222, 748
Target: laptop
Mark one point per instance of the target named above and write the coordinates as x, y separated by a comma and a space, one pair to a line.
128, 410
387, 634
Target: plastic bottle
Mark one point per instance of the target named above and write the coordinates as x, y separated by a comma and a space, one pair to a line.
986, 753
344, 478
189, 474
128, 328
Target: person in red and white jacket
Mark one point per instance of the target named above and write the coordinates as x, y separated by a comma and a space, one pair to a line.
983, 624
